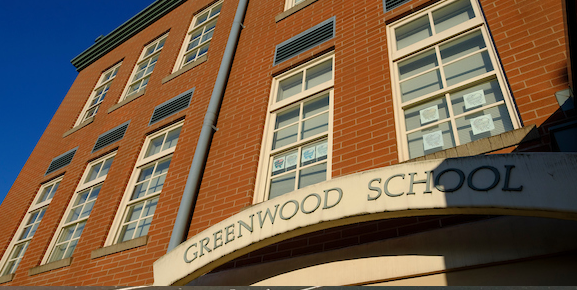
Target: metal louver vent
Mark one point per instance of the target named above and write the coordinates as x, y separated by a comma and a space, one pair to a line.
61, 161
171, 106
110, 137
392, 4
305, 40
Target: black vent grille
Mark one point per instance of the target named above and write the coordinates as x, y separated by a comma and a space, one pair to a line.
304, 41
171, 106
110, 137
61, 161
392, 4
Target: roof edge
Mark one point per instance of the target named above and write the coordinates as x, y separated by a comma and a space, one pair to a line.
125, 31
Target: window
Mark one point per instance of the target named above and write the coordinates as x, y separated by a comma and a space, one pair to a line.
297, 139
143, 69
291, 3
135, 213
448, 85
72, 224
98, 94
199, 35
28, 227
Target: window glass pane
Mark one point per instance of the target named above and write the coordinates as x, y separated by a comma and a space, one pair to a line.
162, 167
93, 172
105, 167
314, 153
134, 212
215, 10
58, 253
285, 162
200, 19
48, 192
139, 190
476, 97
487, 123
453, 15
319, 74
316, 106
171, 139
154, 145
143, 227
282, 185
70, 250
418, 64
315, 126
87, 209
430, 140
287, 117
426, 113
285, 136
421, 85
203, 49
312, 175
156, 184
468, 68
290, 87
462, 46
413, 32
127, 232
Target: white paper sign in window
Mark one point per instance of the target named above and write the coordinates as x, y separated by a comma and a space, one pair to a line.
474, 99
291, 159
322, 150
278, 164
433, 140
482, 124
429, 114
308, 154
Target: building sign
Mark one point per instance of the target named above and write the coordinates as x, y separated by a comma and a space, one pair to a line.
513, 184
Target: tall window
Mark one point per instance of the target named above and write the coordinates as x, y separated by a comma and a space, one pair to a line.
72, 224
297, 144
28, 226
143, 69
98, 94
199, 35
135, 214
447, 80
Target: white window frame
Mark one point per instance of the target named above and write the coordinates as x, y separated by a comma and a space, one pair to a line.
291, 3
435, 41
149, 52
141, 163
34, 207
103, 85
195, 28
268, 154
82, 187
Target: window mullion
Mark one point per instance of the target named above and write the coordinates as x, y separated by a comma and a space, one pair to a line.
441, 67
432, 23
452, 119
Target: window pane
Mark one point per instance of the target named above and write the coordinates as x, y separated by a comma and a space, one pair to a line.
312, 175
200, 19
70, 250
476, 97
290, 87
156, 184
421, 85
487, 123
314, 153
462, 46
413, 32
284, 162
127, 232
282, 185
426, 113
87, 209
215, 10
319, 74
171, 139
453, 15
58, 253
468, 68
417, 64
154, 146
430, 140
285, 136
105, 167
287, 117
93, 172
134, 212
139, 190
143, 227
316, 106
146, 173
315, 126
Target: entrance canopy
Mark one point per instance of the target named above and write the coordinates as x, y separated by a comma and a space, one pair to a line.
529, 184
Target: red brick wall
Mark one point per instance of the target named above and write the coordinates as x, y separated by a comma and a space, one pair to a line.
529, 36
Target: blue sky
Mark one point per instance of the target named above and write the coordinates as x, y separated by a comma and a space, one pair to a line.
40, 39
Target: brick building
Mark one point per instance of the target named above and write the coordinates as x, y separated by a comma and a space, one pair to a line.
313, 142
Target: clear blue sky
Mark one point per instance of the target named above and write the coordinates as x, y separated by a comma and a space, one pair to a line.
40, 39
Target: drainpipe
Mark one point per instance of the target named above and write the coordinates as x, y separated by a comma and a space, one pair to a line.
184, 216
